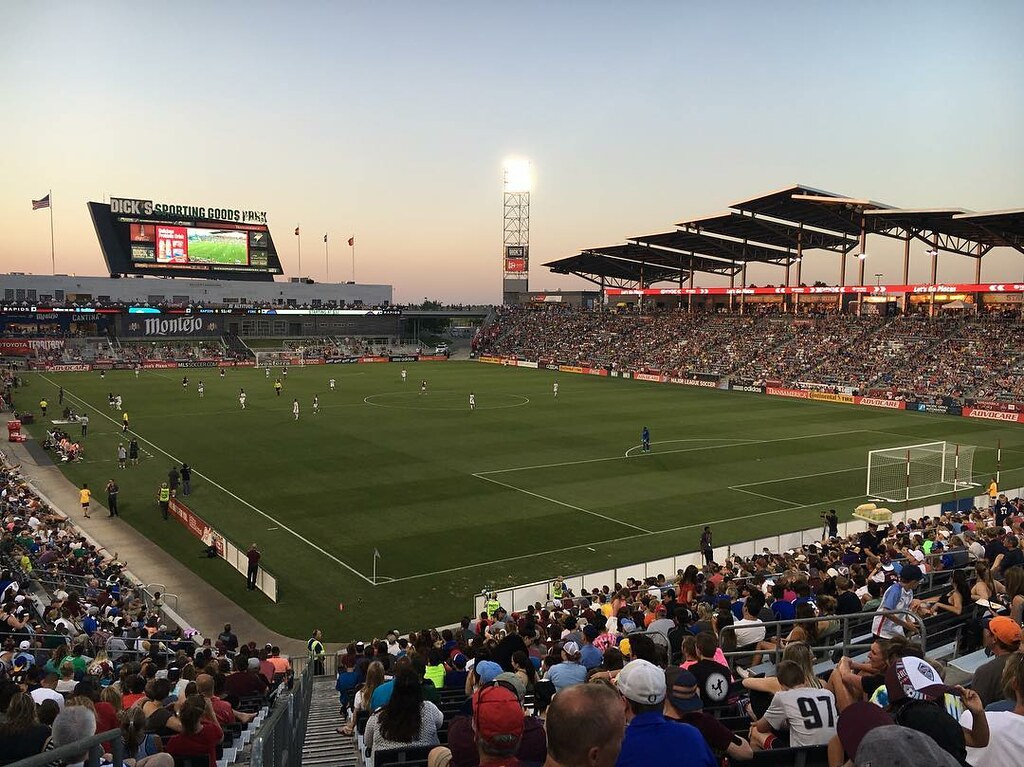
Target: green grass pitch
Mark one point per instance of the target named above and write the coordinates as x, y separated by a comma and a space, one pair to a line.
217, 252
524, 488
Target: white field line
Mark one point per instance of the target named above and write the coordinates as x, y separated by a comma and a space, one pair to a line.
220, 487
549, 552
669, 452
798, 476
738, 489
737, 440
566, 505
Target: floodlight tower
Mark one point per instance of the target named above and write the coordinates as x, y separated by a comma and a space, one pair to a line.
516, 255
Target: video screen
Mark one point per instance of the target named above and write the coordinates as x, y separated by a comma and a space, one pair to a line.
218, 246
193, 245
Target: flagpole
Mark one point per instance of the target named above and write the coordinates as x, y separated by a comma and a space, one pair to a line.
327, 259
53, 257
298, 242
353, 259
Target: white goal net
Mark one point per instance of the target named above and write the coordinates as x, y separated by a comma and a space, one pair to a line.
912, 472
280, 359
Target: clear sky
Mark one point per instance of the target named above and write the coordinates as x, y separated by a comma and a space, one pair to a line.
390, 121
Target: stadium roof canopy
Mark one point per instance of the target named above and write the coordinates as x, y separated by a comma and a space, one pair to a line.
777, 234
1007, 225
632, 263
782, 226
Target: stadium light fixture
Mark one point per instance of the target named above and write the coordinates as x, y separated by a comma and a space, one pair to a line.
862, 256
517, 175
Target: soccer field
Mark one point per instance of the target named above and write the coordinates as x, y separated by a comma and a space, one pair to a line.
524, 488
229, 252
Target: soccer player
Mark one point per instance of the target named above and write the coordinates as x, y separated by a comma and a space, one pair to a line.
295, 409
136, 371
241, 398
554, 388
83, 497
423, 386
404, 375
645, 440
117, 402
133, 451
277, 386
331, 383
122, 455
201, 389
184, 382
472, 401
222, 372
266, 372
124, 422
316, 404
286, 372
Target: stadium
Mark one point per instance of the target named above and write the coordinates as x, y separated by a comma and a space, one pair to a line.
726, 495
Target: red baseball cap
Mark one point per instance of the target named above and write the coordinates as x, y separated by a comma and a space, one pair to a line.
497, 715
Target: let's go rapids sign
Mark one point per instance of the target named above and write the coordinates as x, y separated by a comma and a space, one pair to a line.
123, 206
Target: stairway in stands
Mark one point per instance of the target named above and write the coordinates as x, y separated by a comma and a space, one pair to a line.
323, 745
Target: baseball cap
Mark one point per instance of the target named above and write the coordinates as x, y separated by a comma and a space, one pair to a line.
571, 649
641, 682
487, 670
497, 715
895, 746
916, 679
1006, 630
625, 648
515, 680
27, 645
459, 661
856, 721
683, 689
591, 632
911, 573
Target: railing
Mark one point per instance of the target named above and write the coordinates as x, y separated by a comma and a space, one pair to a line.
328, 665
518, 598
278, 742
817, 649
72, 751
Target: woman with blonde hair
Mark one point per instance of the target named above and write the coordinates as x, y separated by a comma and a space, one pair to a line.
374, 679
798, 652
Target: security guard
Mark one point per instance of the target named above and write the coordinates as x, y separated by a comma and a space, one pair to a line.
557, 589
492, 605
316, 652
165, 499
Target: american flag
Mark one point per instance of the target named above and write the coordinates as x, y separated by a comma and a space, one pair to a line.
40, 204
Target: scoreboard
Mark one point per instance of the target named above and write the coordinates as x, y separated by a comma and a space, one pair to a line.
141, 237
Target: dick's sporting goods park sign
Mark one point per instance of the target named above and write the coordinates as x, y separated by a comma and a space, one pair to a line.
124, 206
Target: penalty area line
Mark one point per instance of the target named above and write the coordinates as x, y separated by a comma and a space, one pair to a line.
223, 489
549, 552
644, 530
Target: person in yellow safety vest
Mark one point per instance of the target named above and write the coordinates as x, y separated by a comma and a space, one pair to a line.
316, 652
492, 605
557, 589
43, 405
165, 500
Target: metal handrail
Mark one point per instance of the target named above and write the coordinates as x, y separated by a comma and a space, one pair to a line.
845, 644
93, 745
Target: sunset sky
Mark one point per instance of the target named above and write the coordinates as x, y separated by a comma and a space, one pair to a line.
390, 121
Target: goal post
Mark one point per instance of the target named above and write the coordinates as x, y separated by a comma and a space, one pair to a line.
279, 359
912, 472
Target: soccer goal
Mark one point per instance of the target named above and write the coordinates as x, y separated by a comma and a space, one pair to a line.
279, 359
912, 472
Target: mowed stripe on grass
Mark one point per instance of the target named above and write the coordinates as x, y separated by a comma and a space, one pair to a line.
359, 477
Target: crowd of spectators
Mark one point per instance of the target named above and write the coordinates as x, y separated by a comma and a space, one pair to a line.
751, 653
85, 650
909, 356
